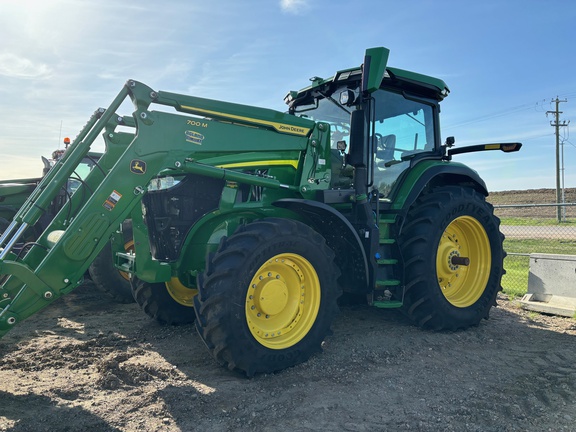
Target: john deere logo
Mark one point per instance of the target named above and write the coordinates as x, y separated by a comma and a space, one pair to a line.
138, 166
194, 137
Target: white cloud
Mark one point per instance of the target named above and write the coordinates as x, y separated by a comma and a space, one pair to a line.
294, 6
19, 67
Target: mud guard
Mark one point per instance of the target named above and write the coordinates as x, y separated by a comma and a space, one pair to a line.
340, 236
436, 175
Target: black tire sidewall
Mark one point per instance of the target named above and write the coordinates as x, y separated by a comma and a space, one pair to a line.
156, 302
244, 350
452, 203
240, 328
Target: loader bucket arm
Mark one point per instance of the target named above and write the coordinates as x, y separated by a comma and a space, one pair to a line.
156, 142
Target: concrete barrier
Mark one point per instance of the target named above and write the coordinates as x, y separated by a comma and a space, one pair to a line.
551, 284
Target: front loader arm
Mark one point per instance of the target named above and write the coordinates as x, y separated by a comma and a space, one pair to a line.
56, 262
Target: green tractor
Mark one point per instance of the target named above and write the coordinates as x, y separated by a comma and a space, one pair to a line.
253, 222
14, 193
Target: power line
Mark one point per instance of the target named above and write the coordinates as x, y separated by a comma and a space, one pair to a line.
537, 106
569, 142
508, 111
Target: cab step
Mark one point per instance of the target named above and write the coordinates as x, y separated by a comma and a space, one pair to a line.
387, 241
387, 261
387, 283
393, 304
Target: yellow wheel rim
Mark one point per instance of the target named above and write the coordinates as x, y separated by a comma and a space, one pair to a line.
462, 282
180, 292
282, 301
128, 247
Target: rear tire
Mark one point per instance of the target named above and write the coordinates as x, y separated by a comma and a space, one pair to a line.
451, 223
268, 296
108, 278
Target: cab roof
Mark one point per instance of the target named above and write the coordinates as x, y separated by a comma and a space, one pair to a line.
404, 80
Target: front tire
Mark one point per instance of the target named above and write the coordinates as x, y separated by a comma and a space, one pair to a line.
452, 249
268, 296
168, 303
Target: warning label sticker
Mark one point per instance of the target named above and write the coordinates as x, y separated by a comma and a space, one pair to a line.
112, 200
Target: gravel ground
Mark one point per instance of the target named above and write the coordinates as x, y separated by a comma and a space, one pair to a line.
88, 364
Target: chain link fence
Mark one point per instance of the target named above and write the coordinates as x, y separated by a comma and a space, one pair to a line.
533, 228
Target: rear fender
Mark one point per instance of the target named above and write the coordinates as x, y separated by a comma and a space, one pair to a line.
427, 175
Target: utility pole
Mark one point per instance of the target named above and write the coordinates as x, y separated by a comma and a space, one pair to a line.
557, 124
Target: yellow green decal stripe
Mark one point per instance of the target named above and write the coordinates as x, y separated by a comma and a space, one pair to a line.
280, 127
293, 163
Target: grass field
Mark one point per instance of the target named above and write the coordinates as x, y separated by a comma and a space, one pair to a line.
528, 221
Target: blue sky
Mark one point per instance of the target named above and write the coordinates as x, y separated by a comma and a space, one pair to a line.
504, 62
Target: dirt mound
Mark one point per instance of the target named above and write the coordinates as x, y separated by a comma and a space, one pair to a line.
535, 197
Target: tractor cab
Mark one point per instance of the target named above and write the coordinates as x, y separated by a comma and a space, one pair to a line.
401, 127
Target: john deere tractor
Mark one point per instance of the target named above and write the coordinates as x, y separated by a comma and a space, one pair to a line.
253, 222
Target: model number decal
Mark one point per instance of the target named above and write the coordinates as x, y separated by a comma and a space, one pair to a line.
196, 123
112, 200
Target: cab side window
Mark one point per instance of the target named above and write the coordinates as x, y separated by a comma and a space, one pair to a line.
402, 127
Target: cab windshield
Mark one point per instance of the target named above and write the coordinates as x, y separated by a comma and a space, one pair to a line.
401, 128
328, 110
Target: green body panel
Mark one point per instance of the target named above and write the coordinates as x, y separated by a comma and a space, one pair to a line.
9, 188
235, 113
